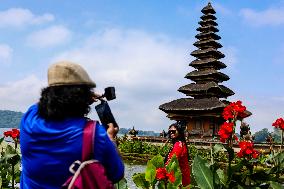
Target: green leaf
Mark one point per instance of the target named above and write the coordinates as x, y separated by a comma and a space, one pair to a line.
13, 159
140, 181
122, 184
173, 165
161, 185
1, 140
238, 167
222, 176
157, 161
10, 150
275, 185
150, 173
217, 148
240, 187
171, 186
202, 173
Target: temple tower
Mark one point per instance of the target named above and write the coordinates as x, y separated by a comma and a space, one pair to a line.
202, 109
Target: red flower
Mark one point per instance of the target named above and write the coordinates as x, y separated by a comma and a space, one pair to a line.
255, 154
161, 173
236, 138
7, 133
247, 150
240, 154
14, 133
279, 123
226, 131
171, 177
227, 113
233, 110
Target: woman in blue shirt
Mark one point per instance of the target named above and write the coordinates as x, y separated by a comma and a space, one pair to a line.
52, 131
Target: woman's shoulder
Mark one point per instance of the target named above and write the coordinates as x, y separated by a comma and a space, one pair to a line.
100, 129
179, 146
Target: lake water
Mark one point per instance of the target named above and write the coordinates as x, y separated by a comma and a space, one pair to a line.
130, 169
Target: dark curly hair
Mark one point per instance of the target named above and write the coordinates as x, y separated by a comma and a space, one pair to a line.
59, 102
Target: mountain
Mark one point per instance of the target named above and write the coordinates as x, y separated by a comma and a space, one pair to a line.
123, 131
10, 119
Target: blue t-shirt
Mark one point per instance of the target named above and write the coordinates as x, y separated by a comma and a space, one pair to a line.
48, 149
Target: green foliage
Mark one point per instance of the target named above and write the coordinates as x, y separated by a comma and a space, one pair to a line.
140, 181
173, 166
135, 146
9, 164
276, 135
202, 173
148, 179
122, 184
260, 136
157, 161
150, 173
245, 174
10, 119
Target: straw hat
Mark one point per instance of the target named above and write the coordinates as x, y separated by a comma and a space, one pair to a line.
68, 73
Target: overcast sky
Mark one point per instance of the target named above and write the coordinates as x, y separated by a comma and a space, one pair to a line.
142, 47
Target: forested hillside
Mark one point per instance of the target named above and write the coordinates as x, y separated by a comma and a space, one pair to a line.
10, 119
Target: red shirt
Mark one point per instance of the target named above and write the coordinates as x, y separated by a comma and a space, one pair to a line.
180, 150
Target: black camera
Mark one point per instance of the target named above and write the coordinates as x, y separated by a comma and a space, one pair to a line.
103, 109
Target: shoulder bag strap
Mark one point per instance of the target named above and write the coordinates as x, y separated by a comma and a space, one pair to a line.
88, 140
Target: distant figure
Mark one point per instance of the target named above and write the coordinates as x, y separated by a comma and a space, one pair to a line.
52, 131
176, 134
270, 141
163, 134
133, 132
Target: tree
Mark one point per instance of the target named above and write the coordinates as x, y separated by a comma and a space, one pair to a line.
260, 136
276, 134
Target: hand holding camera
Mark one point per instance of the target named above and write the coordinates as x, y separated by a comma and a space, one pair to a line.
104, 111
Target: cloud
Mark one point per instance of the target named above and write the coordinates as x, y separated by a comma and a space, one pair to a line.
231, 58
265, 110
19, 17
146, 69
49, 37
222, 9
6, 53
269, 17
19, 95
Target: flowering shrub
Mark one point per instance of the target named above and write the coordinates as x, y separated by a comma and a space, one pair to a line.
234, 110
158, 175
244, 174
226, 131
279, 123
163, 175
10, 159
14, 133
231, 113
247, 150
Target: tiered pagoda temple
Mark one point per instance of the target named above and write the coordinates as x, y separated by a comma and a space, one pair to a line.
203, 107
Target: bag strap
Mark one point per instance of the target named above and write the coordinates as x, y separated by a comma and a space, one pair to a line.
88, 140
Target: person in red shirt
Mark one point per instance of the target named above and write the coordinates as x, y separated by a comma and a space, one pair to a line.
176, 134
